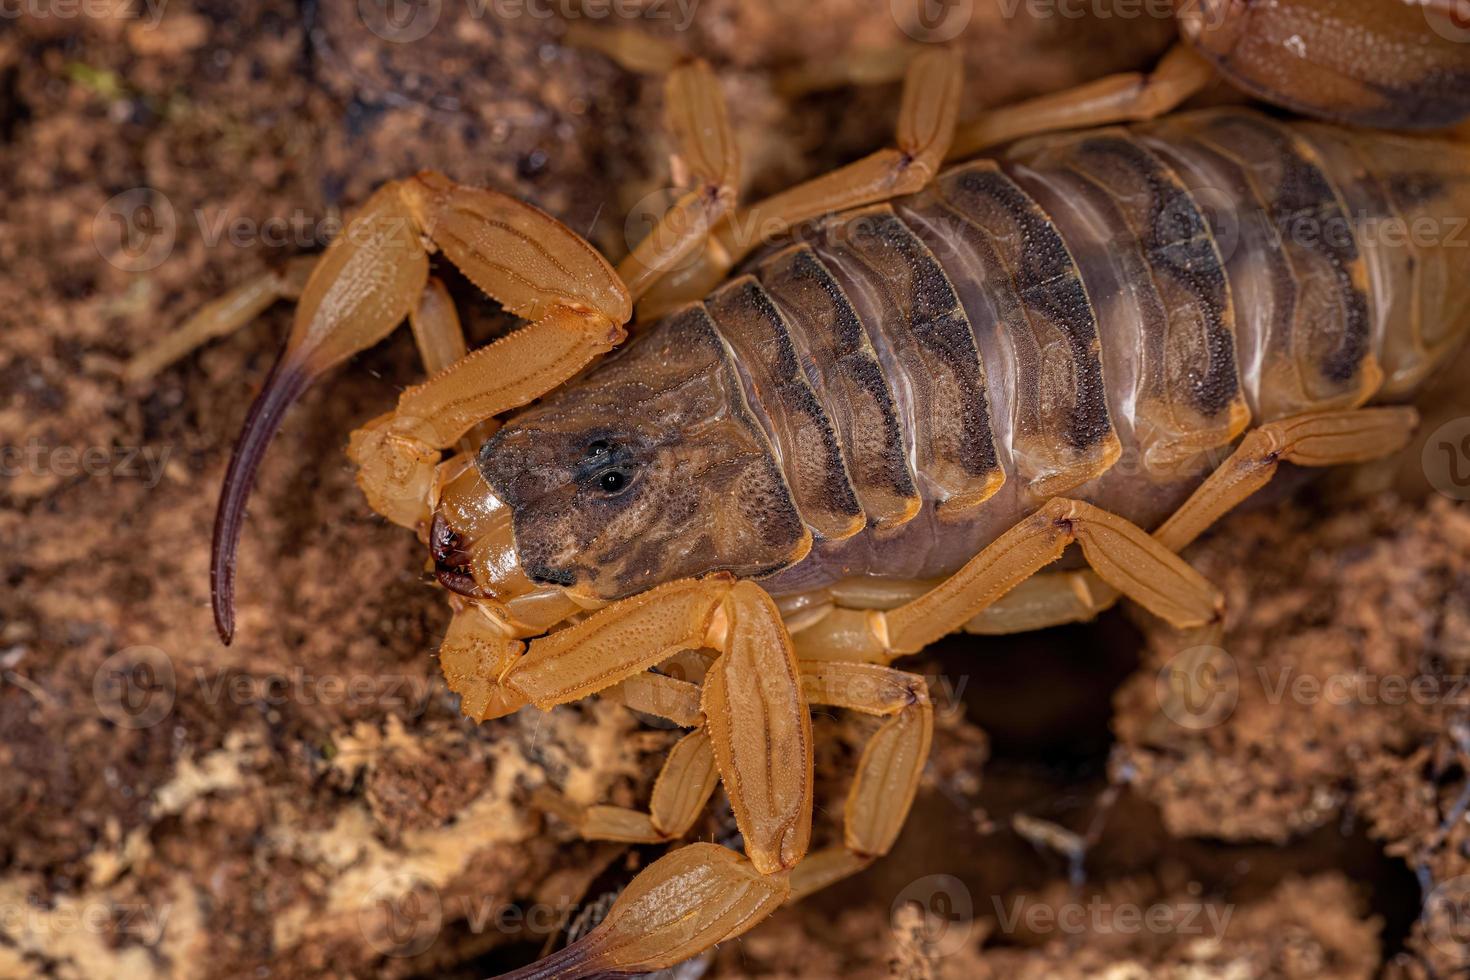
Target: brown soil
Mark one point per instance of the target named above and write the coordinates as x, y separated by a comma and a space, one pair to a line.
309, 801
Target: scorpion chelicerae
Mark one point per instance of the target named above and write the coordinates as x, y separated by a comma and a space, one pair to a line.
925, 387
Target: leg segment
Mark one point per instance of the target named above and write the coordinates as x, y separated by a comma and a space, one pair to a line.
440, 341
926, 125
1313, 439
761, 729
706, 159
679, 906
1044, 600
888, 774
757, 735
222, 316
1129, 97
683, 787
1121, 553
694, 110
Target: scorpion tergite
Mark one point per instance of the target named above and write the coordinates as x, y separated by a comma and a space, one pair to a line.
868, 411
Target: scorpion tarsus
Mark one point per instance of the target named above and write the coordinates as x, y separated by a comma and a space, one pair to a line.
284, 385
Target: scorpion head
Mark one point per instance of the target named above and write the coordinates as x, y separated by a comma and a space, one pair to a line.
648, 469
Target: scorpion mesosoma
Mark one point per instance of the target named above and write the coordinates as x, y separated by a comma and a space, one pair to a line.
876, 434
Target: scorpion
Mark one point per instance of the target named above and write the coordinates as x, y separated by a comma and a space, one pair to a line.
871, 410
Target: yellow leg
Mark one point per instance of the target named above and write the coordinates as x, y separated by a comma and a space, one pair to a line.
888, 773
1314, 439
660, 695
1122, 555
1044, 600
757, 731
225, 315
683, 787
706, 159
926, 122
678, 907
1129, 97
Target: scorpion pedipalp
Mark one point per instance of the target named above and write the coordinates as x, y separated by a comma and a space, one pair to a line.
359, 291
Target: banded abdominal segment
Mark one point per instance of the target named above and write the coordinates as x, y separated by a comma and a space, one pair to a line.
1138, 294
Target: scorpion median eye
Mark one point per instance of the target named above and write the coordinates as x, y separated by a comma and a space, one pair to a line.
612, 481
598, 447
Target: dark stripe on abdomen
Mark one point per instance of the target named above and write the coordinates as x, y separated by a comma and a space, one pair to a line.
1300, 282
847, 378
922, 336
1158, 284
800, 429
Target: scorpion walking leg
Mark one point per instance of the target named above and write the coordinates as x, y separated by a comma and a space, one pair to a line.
1122, 554
706, 158
1127, 97
926, 122
759, 733
1044, 600
440, 341
888, 773
683, 787
236, 308
1313, 439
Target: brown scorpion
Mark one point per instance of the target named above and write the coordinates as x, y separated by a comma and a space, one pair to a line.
926, 387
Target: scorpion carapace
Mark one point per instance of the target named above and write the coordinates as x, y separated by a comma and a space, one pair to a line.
1093, 314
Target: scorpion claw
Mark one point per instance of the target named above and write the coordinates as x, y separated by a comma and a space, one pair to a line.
395, 468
